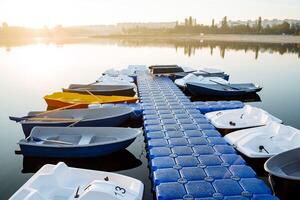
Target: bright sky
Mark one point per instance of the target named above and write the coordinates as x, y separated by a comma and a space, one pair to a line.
37, 13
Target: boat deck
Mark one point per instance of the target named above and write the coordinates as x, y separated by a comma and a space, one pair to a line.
188, 158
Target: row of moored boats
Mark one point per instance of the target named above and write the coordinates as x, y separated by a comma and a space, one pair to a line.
75, 127
70, 129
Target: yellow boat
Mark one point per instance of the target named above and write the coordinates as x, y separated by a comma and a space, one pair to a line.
67, 99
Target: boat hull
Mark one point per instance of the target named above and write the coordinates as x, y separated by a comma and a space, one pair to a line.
107, 122
126, 93
63, 99
73, 152
285, 188
106, 90
220, 91
284, 174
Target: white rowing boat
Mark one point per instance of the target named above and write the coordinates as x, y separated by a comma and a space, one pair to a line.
60, 182
265, 141
246, 117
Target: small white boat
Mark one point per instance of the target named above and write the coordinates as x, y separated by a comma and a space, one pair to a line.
125, 78
118, 80
192, 78
130, 71
246, 117
121, 77
138, 68
60, 182
111, 72
265, 141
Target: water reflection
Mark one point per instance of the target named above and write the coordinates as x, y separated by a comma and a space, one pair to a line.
122, 160
190, 47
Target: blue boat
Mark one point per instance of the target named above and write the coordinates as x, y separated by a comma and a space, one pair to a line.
100, 117
76, 142
222, 90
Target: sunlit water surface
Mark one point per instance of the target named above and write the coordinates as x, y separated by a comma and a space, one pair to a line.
29, 72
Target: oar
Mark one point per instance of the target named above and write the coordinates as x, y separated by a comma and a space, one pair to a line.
227, 85
76, 122
50, 119
93, 95
36, 139
18, 119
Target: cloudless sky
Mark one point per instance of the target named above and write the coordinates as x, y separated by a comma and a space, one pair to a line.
37, 13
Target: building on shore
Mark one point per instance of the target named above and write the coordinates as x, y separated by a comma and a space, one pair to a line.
265, 22
150, 25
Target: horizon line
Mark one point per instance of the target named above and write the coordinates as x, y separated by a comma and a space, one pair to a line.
142, 22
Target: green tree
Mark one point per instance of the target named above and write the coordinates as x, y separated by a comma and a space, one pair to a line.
224, 24
281, 28
186, 21
285, 27
259, 25
248, 28
213, 23
190, 21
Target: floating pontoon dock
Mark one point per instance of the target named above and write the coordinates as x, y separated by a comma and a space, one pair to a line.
188, 158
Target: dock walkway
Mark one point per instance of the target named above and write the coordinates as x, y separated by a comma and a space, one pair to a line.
188, 158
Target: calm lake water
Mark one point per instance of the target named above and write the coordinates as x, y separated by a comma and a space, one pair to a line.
30, 71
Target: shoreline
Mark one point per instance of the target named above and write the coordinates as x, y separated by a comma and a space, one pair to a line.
277, 39
283, 39
194, 40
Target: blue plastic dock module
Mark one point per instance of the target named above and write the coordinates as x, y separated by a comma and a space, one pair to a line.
188, 157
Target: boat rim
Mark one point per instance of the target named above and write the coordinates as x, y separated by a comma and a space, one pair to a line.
284, 176
138, 131
130, 110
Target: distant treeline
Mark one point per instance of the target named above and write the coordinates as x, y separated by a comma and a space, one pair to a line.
191, 27
188, 27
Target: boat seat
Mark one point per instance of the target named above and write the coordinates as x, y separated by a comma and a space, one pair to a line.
74, 139
43, 184
29, 193
99, 139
